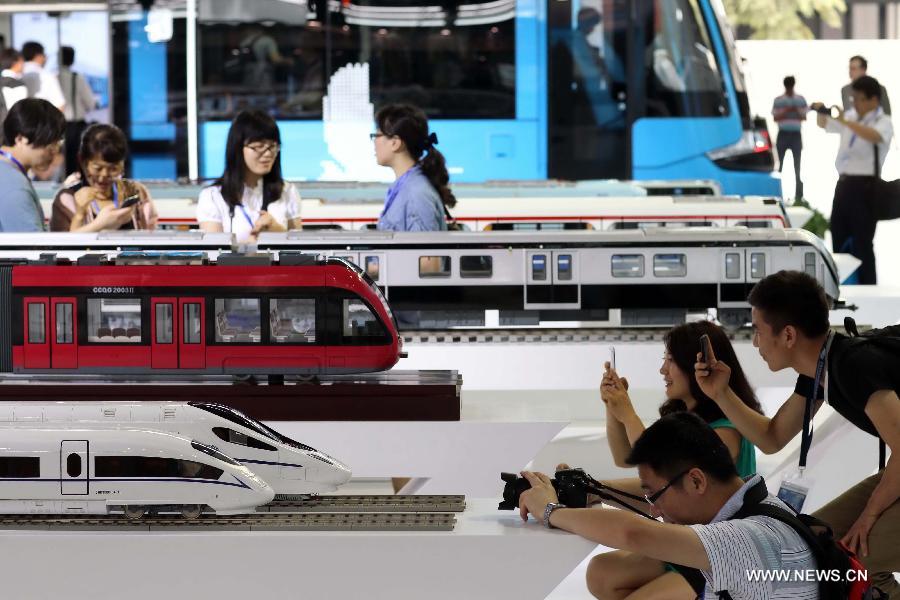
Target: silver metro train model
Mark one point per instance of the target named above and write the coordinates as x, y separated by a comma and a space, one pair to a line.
65, 470
288, 466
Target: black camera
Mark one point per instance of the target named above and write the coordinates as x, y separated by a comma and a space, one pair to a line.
571, 485
829, 111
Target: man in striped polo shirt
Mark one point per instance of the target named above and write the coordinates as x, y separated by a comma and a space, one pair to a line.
790, 111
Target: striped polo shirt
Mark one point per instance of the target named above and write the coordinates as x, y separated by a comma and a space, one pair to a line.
796, 108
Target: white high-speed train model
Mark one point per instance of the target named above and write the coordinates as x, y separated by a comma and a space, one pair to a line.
97, 471
289, 467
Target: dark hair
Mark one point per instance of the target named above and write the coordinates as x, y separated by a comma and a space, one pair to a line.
682, 441
32, 49
67, 56
862, 62
36, 120
869, 86
9, 57
411, 125
103, 141
789, 82
792, 298
247, 127
683, 343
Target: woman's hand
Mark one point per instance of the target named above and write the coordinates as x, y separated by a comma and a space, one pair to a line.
614, 393
111, 217
265, 222
712, 378
84, 197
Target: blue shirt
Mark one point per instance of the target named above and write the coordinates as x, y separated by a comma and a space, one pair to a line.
20, 207
412, 204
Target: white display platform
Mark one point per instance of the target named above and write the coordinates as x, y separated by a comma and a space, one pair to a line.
457, 457
491, 555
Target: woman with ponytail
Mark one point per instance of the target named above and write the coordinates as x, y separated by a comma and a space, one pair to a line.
419, 197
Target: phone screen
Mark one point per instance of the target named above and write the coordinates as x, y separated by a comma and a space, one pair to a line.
704, 348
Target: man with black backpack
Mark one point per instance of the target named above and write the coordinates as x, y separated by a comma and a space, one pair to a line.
858, 376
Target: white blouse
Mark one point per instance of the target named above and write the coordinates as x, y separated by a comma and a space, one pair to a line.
212, 207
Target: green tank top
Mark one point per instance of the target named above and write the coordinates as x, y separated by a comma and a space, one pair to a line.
746, 460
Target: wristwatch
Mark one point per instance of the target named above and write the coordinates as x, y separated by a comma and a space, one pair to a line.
548, 510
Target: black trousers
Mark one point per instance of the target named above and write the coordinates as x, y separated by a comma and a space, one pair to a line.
793, 141
74, 129
852, 223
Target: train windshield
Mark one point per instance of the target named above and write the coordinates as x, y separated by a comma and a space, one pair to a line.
236, 416
214, 453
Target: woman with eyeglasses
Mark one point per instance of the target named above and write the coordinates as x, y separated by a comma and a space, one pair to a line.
97, 197
250, 196
419, 196
619, 574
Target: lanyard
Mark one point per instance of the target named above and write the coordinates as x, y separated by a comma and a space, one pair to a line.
865, 121
246, 216
14, 161
115, 199
806, 440
394, 190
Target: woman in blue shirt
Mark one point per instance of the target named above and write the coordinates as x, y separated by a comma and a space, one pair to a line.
418, 198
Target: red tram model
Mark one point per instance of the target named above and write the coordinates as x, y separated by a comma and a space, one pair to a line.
145, 313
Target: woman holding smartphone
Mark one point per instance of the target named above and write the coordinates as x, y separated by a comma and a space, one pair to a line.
98, 198
620, 574
251, 196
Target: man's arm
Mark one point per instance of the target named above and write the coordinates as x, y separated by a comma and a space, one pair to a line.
867, 133
20, 214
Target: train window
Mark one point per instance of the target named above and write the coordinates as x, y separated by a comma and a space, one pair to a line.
809, 263
434, 266
114, 320
164, 325
236, 437
73, 465
64, 331
36, 323
757, 265
732, 265
539, 267
238, 320
127, 467
191, 325
627, 265
669, 265
476, 266
19, 467
359, 320
564, 267
214, 452
292, 320
754, 224
373, 267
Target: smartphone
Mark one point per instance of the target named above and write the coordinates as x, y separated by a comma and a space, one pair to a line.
704, 348
130, 201
612, 357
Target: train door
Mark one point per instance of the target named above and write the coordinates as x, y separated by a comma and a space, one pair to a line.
73, 467
36, 340
163, 342
192, 341
552, 280
64, 350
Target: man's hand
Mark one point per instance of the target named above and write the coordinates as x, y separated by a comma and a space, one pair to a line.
535, 500
857, 538
712, 378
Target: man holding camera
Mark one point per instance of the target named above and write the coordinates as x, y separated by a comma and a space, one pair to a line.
690, 480
866, 133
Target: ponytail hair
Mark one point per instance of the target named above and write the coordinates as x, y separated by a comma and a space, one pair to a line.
411, 125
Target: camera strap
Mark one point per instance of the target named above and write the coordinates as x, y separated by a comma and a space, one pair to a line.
604, 492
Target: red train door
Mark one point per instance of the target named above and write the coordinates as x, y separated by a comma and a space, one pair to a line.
63, 346
192, 341
164, 336
36, 340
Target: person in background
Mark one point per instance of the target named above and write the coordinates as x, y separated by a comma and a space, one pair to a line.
789, 111
79, 102
859, 66
41, 83
419, 197
866, 133
12, 88
251, 196
32, 135
96, 201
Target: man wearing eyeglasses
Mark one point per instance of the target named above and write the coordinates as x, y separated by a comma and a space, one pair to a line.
690, 480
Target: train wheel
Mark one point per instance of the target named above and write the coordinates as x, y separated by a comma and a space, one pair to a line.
276, 379
191, 511
134, 512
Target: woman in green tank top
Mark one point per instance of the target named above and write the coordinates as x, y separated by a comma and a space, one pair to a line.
614, 573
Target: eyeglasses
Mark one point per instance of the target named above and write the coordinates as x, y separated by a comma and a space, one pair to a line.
261, 149
96, 169
652, 498
374, 136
